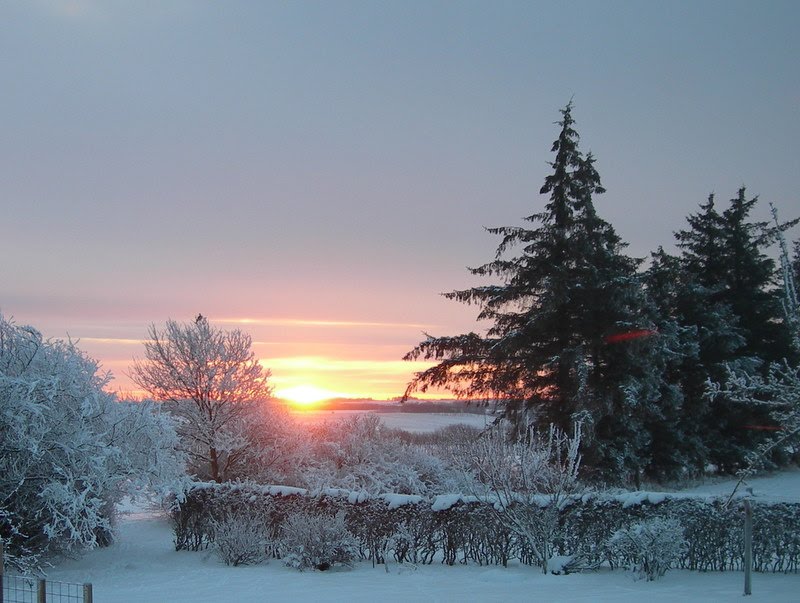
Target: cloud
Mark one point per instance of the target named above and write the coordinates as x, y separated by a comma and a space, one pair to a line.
321, 364
106, 9
68, 8
111, 340
300, 322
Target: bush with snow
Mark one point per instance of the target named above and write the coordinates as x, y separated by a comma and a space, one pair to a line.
650, 548
317, 541
241, 538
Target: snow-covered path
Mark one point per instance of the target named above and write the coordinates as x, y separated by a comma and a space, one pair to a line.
144, 567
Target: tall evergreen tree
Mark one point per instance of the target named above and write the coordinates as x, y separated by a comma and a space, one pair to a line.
750, 285
727, 296
681, 445
796, 264
570, 332
703, 247
788, 279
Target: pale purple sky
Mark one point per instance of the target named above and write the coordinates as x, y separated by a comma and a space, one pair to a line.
336, 161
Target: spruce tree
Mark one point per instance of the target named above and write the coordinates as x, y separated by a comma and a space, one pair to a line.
679, 445
728, 296
795, 264
788, 280
749, 283
570, 335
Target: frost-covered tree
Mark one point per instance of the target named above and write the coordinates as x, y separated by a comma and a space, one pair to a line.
795, 264
214, 384
679, 442
789, 279
67, 447
570, 334
278, 449
750, 284
727, 295
778, 391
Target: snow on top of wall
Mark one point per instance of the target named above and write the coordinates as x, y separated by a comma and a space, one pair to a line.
443, 502
398, 500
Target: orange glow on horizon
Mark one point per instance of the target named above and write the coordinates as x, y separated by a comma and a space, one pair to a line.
323, 359
306, 395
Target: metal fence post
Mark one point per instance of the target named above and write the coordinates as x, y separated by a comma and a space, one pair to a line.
748, 546
87, 593
2, 568
41, 591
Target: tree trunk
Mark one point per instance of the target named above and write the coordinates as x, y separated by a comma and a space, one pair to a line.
215, 465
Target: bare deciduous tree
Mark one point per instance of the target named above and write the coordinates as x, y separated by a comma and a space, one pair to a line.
214, 383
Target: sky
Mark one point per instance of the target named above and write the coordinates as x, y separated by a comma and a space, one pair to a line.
317, 173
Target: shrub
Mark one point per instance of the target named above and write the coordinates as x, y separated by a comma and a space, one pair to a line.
241, 539
650, 547
317, 541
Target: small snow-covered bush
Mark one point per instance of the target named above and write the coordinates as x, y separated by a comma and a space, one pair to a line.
317, 541
650, 547
241, 539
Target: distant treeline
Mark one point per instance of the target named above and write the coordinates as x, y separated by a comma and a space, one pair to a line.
410, 406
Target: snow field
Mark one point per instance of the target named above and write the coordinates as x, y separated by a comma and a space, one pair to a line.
416, 422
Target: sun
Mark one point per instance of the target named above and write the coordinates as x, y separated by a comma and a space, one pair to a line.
305, 395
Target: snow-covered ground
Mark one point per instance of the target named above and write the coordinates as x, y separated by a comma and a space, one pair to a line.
427, 422
143, 567
783, 487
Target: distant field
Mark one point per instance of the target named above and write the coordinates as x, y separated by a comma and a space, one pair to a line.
416, 422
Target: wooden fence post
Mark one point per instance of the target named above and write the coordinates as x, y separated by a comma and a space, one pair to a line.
41, 591
87, 593
748, 546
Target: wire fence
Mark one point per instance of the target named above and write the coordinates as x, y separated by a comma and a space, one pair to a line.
29, 589
19, 589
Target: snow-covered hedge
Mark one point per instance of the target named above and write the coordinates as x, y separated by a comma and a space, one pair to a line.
713, 532
462, 529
